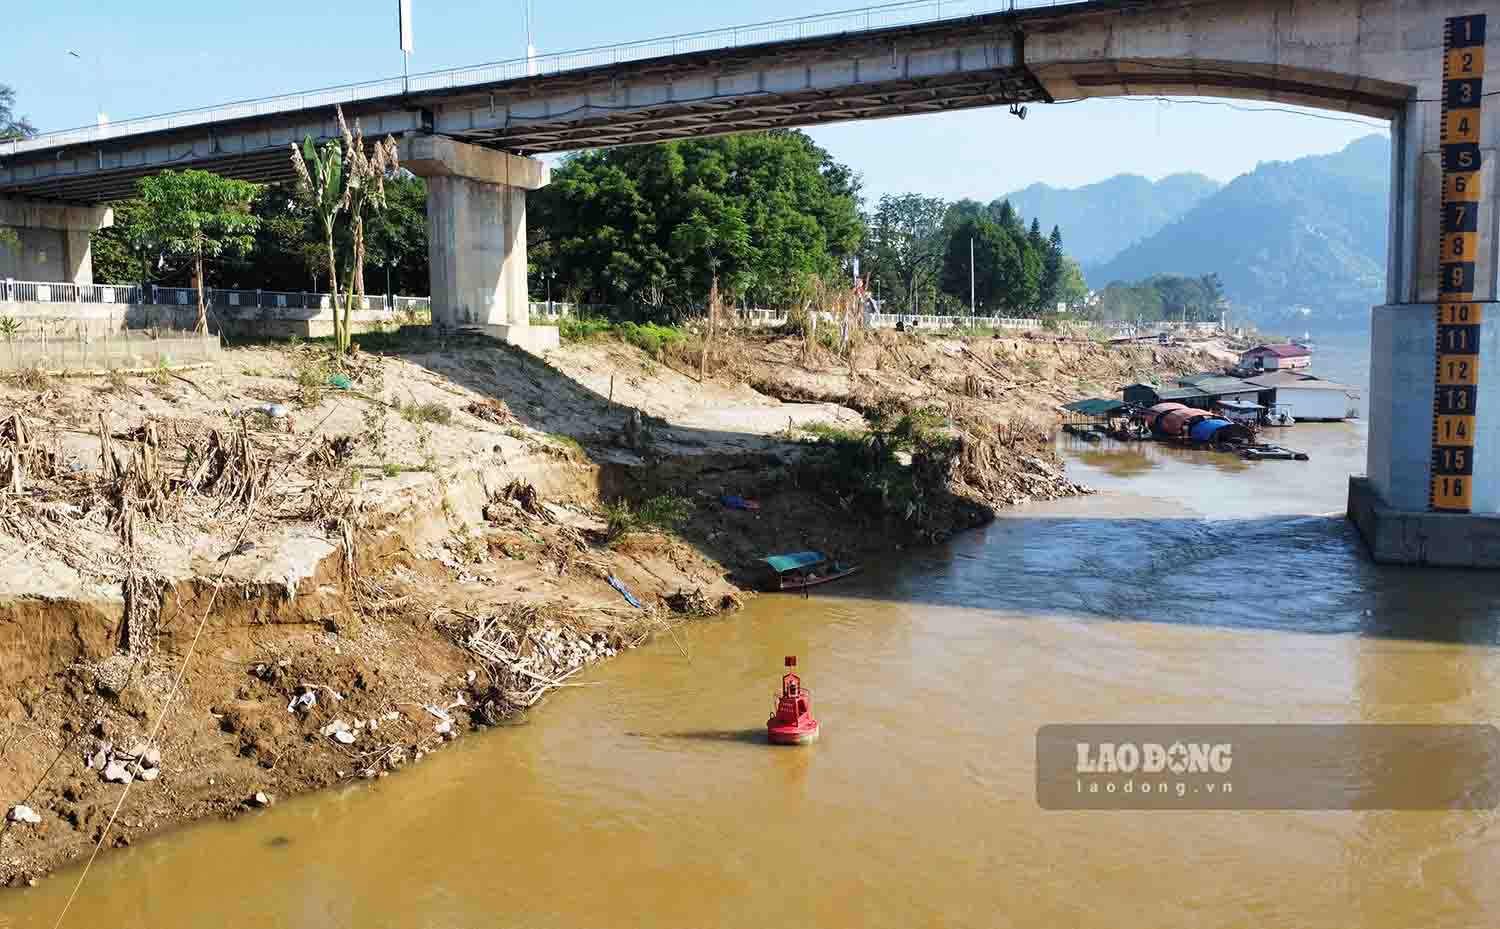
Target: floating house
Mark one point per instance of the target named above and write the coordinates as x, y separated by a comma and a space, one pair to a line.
1280, 357
1306, 396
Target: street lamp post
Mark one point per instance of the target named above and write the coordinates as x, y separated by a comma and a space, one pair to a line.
92, 61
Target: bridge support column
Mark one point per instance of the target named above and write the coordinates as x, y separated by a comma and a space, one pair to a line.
476, 236
1390, 504
53, 241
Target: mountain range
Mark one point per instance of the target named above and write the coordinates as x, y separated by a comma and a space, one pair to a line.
1101, 220
1291, 240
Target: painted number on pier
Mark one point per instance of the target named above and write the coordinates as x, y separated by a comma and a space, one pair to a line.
1456, 381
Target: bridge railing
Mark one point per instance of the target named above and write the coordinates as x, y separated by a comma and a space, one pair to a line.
59, 292
56, 292
909, 13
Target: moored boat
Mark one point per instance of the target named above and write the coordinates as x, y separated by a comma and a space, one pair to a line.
800, 570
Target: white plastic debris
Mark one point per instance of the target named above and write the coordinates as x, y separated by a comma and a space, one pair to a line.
443, 727
260, 799
335, 727
20, 813
308, 699
115, 773
344, 736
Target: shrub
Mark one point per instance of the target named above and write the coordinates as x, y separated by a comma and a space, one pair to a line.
426, 413
667, 511
650, 337
570, 329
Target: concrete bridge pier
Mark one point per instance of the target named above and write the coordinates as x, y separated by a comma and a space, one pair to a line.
1390, 504
476, 236
54, 240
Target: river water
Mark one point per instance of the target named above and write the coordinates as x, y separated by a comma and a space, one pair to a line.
1192, 588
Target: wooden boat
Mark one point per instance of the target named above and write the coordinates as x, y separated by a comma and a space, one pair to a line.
800, 570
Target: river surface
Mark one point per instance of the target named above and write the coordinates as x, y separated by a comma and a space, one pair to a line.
1192, 588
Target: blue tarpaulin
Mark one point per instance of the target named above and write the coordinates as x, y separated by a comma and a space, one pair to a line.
783, 563
1204, 429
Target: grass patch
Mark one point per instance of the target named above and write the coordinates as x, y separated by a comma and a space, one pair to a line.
651, 338
570, 329
831, 431
666, 512
566, 441
426, 413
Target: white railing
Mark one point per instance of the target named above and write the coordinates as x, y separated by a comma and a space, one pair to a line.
914, 12
920, 321
60, 292
57, 292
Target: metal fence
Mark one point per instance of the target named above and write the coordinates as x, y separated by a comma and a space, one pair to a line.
281, 299
888, 15
58, 292
55, 292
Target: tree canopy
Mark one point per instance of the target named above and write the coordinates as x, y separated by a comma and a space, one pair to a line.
197, 214
653, 225
12, 126
1160, 297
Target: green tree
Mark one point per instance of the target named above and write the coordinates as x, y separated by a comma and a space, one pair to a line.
198, 215
651, 226
397, 235
907, 239
995, 263
1053, 260
1072, 289
12, 126
123, 252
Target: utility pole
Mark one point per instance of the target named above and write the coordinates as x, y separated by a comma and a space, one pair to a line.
971, 279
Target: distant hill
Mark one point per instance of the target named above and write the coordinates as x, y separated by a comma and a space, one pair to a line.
1293, 240
1100, 220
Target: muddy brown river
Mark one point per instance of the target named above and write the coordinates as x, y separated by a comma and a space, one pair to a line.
1193, 588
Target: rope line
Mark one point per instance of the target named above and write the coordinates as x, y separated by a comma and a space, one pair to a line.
182, 672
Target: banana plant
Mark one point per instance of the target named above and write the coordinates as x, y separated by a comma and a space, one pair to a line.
321, 184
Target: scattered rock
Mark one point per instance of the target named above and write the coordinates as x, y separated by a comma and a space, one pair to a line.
344, 736
112, 675
261, 799
20, 813
150, 774
334, 728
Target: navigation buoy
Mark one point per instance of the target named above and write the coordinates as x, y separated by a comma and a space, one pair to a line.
792, 723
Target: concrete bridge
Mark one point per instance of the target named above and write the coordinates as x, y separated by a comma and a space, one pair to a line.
471, 132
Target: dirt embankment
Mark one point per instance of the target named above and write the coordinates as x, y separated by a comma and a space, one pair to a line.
367, 562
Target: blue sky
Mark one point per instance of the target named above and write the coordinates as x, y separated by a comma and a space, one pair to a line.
161, 55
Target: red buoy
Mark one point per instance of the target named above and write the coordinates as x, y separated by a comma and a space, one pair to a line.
792, 723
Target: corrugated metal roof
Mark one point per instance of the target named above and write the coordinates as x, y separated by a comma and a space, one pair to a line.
1298, 379
1223, 384
1286, 350
1181, 393
1093, 406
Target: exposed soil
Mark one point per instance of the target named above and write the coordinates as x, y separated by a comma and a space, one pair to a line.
423, 548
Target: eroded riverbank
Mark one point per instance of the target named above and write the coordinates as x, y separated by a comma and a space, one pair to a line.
450, 484
646, 798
